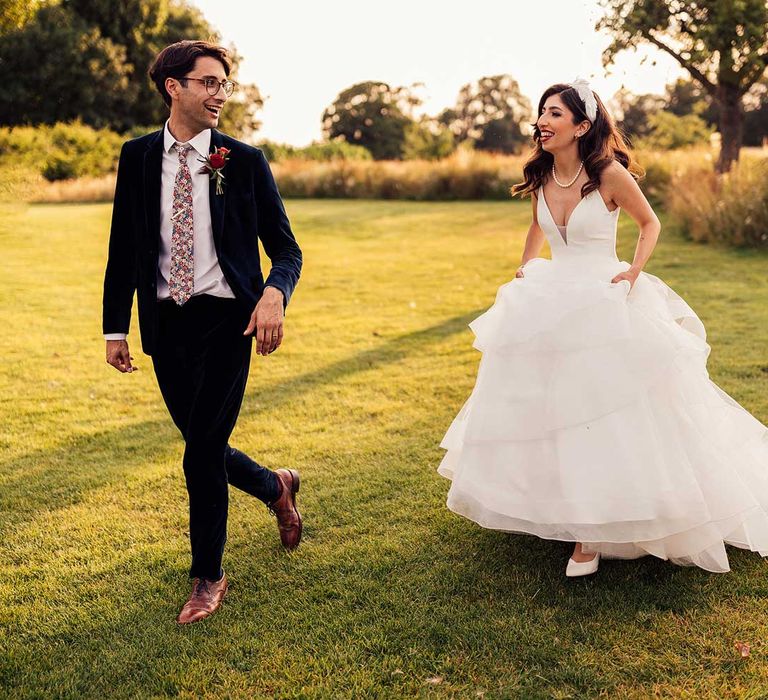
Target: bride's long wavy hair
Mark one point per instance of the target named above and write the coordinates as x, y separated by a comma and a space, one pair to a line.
600, 146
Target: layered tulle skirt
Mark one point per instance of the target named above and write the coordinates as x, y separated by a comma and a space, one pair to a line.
593, 420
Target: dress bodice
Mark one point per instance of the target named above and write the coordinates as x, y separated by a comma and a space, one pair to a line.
590, 230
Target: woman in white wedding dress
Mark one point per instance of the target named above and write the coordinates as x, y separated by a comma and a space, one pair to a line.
593, 419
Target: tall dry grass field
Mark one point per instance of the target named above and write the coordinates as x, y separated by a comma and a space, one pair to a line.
730, 209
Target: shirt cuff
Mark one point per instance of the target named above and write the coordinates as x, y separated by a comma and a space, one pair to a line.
115, 336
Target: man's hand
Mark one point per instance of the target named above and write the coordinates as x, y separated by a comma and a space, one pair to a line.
267, 321
119, 356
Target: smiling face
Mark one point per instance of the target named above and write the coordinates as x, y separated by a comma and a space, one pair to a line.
556, 127
190, 102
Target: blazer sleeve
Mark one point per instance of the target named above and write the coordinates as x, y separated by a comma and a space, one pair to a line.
275, 233
121, 273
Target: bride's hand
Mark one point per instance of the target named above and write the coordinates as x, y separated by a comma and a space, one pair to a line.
519, 272
629, 275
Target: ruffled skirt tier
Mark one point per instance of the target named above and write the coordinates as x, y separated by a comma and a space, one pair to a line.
593, 420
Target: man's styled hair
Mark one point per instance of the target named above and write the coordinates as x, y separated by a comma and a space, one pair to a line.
176, 60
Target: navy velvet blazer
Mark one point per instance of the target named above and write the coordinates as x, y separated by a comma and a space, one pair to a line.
249, 209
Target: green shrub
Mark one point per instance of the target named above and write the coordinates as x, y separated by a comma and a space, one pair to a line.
62, 151
24, 145
428, 140
136, 131
324, 151
59, 166
670, 131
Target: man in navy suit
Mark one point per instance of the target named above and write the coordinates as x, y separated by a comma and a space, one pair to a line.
190, 206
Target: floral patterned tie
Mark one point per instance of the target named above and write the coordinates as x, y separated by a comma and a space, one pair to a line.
182, 277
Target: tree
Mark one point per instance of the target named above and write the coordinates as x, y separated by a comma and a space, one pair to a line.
685, 97
143, 27
722, 45
682, 98
15, 13
239, 116
502, 136
95, 64
668, 131
427, 139
81, 74
756, 126
373, 115
756, 115
634, 113
491, 100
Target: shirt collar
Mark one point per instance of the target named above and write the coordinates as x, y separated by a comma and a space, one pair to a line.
200, 142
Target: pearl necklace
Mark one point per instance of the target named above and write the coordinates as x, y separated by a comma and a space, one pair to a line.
557, 182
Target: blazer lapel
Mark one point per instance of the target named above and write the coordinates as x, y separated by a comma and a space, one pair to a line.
153, 164
217, 201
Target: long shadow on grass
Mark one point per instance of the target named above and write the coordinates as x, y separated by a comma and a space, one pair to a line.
391, 351
386, 578
56, 478
400, 584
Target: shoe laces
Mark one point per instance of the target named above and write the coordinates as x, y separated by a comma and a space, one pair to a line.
272, 504
200, 586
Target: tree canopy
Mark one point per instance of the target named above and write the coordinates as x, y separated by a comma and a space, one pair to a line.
491, 111
669, 131
428, 139
373, 115
14, 13
81, 73
722, 45
95, 62
634, 112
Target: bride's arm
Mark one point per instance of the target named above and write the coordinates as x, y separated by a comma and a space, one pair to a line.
624, 192
533, 241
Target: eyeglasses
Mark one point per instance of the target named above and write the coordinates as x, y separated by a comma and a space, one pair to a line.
212, 85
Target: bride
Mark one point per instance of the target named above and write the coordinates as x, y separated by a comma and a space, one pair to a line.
593, 419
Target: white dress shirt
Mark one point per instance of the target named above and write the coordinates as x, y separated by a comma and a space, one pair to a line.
209, 279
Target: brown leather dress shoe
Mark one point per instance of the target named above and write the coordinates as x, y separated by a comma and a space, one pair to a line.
204, 600
284, 508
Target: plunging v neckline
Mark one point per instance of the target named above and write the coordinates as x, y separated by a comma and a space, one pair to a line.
565, 225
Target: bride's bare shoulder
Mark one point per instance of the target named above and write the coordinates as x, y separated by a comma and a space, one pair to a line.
615, 179
615, 174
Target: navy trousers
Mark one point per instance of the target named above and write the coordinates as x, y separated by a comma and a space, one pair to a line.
201, 362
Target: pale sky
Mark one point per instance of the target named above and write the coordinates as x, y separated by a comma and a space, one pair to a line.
303, 53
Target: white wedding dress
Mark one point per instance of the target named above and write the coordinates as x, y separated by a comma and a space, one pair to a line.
593, 418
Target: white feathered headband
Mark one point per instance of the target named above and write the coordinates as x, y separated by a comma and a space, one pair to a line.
587, 97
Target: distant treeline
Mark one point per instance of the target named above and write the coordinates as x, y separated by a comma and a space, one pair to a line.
85, 61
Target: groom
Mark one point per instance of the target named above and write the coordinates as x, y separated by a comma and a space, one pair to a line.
190, 205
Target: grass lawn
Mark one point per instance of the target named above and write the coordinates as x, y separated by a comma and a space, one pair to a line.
390, 595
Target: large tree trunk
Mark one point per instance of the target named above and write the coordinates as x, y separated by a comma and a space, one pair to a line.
731, 127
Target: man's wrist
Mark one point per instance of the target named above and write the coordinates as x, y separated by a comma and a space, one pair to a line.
115, 336
279, 291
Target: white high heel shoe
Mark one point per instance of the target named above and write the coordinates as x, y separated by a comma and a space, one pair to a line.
582, 568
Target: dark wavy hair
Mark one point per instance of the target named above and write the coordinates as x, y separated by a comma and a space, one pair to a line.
176, 60
598, 148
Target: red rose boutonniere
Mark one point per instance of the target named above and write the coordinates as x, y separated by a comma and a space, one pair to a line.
214, 164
